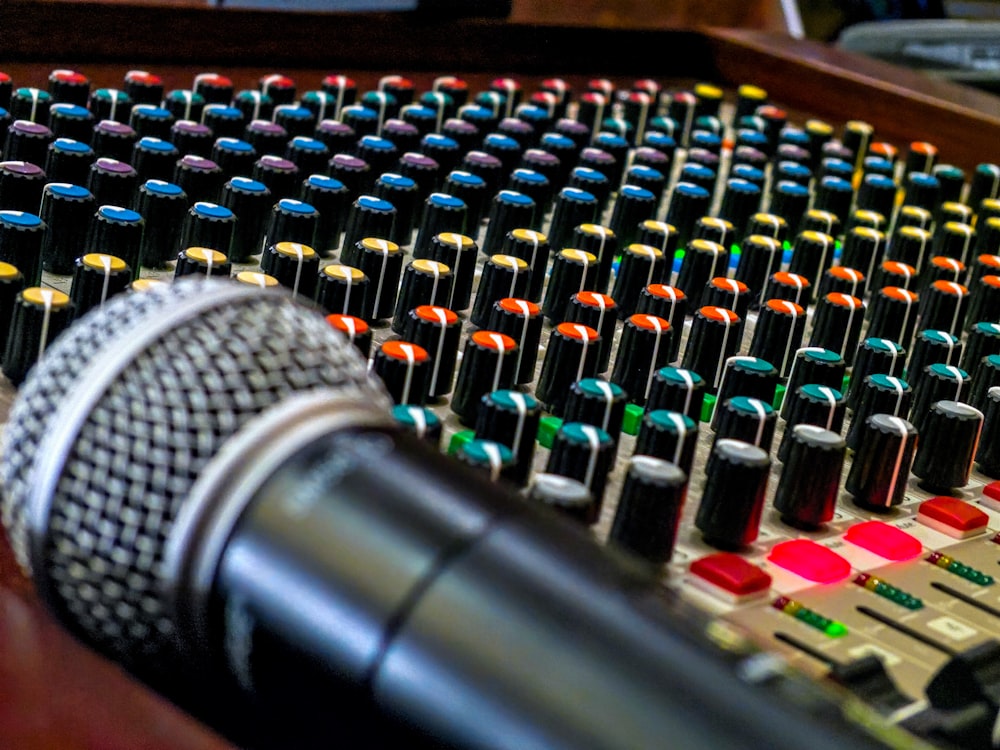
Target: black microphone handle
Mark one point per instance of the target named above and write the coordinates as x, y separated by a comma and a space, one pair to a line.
371, 587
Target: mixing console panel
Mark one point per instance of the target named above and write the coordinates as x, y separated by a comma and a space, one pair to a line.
794, 324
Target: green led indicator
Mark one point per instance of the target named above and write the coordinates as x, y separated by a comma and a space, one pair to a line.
970, 574
779, 396
787, 246
735, 250
679, 255
632, 420
459, 439
547, 429
835, 629
846, 382
707, 407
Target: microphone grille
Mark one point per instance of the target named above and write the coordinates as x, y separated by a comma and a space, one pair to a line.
95, 542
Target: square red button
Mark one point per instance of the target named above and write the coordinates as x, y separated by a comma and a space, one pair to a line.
953, 517
729, 577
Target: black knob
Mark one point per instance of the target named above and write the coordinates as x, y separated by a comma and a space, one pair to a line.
874, 356
533, 248
97, 277
677, 389
633, 206
640, 266
115, 140
154, 159
251, 203
573, 271
983, 340
202, 179
644, 348
112, 182
280, 175
342, 289
520, 319
837, 325
471, 189
715, 336
502, 276
669, 435
571, 355
985, 301
294, 265
937, 382
597, 402
203, 261
806, 495
842, 280
733, 498
488, 362
649, 508
192, 138
954, 239
882, 394
235, 157
660, 235
382, 262
402, 193
420, 421
459, 253
943, 307
688, 203
728, 293
703, 260
740, 200
21, 238
441, 213
66, 211
356, 330
151, 120
21, 185
40, 314
11, 284
209, 225
834, 194
291, 220
789, 200
947, 446
330, 197
511, 418
143, 87
812, 404
69, 161
598, 311
404, 367
602, 242
760, 257
988, 454
425, 282
438, 330
812, 254
815, 365
747, 376
932, 346
668, 303
864, 248
494, 459
987, 376
368, 217
586, 453
778, 334
747, 419
28, 141
878, 475
423, 170
116, 231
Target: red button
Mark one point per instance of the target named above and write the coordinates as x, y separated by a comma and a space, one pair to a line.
884, 540
953, 513
992, 490
812, 561
731, 573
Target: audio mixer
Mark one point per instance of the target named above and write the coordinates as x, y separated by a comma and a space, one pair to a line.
758, 351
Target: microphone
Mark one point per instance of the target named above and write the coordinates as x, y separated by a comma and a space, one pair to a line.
206, 486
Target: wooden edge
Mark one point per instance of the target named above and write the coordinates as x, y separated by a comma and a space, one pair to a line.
902, 105
133, 34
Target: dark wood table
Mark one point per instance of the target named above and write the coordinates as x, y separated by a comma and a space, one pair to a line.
55, 693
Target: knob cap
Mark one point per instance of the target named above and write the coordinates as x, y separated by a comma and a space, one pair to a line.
806, 495
778, 334
511, 418
669, 435
487, 365
749, 420
585, 453
40, 314
97, 278
733, 498
948, 446
649, 509
566, 496
837, 325
571, 355
404, 367
874, 356
643, 349
988, 453
677, 389
715, 336
882, 461
882, 394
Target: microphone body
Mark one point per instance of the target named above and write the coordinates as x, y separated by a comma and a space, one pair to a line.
205, 485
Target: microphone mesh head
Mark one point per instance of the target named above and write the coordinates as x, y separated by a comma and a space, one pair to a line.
97, 541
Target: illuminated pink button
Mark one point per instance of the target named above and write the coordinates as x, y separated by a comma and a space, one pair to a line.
731, 573
953, 517
884, 540
812, 561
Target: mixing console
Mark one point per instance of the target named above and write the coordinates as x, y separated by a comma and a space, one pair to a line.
762, 354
